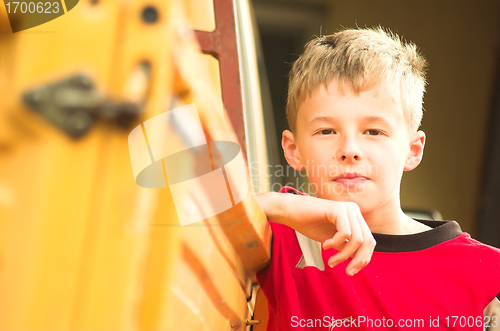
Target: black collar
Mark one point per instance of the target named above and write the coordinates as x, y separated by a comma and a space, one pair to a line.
441, 231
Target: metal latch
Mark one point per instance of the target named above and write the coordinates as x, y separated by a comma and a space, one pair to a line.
74, 104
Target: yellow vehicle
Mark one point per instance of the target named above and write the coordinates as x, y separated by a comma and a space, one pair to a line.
82, 245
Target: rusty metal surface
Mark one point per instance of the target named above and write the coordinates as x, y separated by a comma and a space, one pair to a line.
222, 44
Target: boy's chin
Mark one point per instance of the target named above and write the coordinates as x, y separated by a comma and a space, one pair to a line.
338, 192
364, 206
344, 197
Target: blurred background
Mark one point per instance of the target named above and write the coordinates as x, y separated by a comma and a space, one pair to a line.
459, 174
84, 247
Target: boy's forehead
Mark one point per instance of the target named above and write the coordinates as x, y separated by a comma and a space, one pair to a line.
323, 95
373, 87
322, 99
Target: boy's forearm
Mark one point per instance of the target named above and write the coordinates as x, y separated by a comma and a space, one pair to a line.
335, 224
272, 204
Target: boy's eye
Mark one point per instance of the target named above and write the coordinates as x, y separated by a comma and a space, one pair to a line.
326, 131
373, 132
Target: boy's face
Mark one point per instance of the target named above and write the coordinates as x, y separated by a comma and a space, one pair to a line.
354, 147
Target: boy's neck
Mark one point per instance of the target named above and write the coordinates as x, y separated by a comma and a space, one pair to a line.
393, 221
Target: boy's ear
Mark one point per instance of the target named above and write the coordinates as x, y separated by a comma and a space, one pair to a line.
417, 143
291, 151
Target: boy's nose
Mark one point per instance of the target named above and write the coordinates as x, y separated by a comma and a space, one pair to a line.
348, 156
349, 151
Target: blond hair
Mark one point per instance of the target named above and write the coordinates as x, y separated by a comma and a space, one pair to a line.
360, 59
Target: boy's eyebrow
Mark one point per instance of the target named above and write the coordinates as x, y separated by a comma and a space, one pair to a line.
376, 119
367, 119
321, 119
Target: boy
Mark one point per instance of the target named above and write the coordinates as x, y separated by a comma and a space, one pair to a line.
354, 108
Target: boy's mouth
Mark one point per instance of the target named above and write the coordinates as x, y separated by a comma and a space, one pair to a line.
350, 179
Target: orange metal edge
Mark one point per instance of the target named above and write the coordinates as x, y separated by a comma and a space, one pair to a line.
246, 228
245, 225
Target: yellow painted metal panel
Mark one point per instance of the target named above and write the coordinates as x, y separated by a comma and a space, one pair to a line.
42, 232
49, 177
200, 14
82, 246
213, 77
111, 284
164, 251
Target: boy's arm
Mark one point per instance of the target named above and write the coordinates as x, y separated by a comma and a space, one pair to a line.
492, 312
338, 225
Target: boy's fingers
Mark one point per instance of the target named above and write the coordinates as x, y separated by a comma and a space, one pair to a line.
361, 259
347, 251
343, 225
342, 221
355, 240
338, 247
363, 255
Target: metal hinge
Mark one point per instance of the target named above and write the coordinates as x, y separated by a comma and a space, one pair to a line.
74, 104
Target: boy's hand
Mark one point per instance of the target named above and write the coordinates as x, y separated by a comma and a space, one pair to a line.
336, 224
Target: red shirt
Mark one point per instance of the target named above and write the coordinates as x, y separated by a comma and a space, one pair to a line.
437, 279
